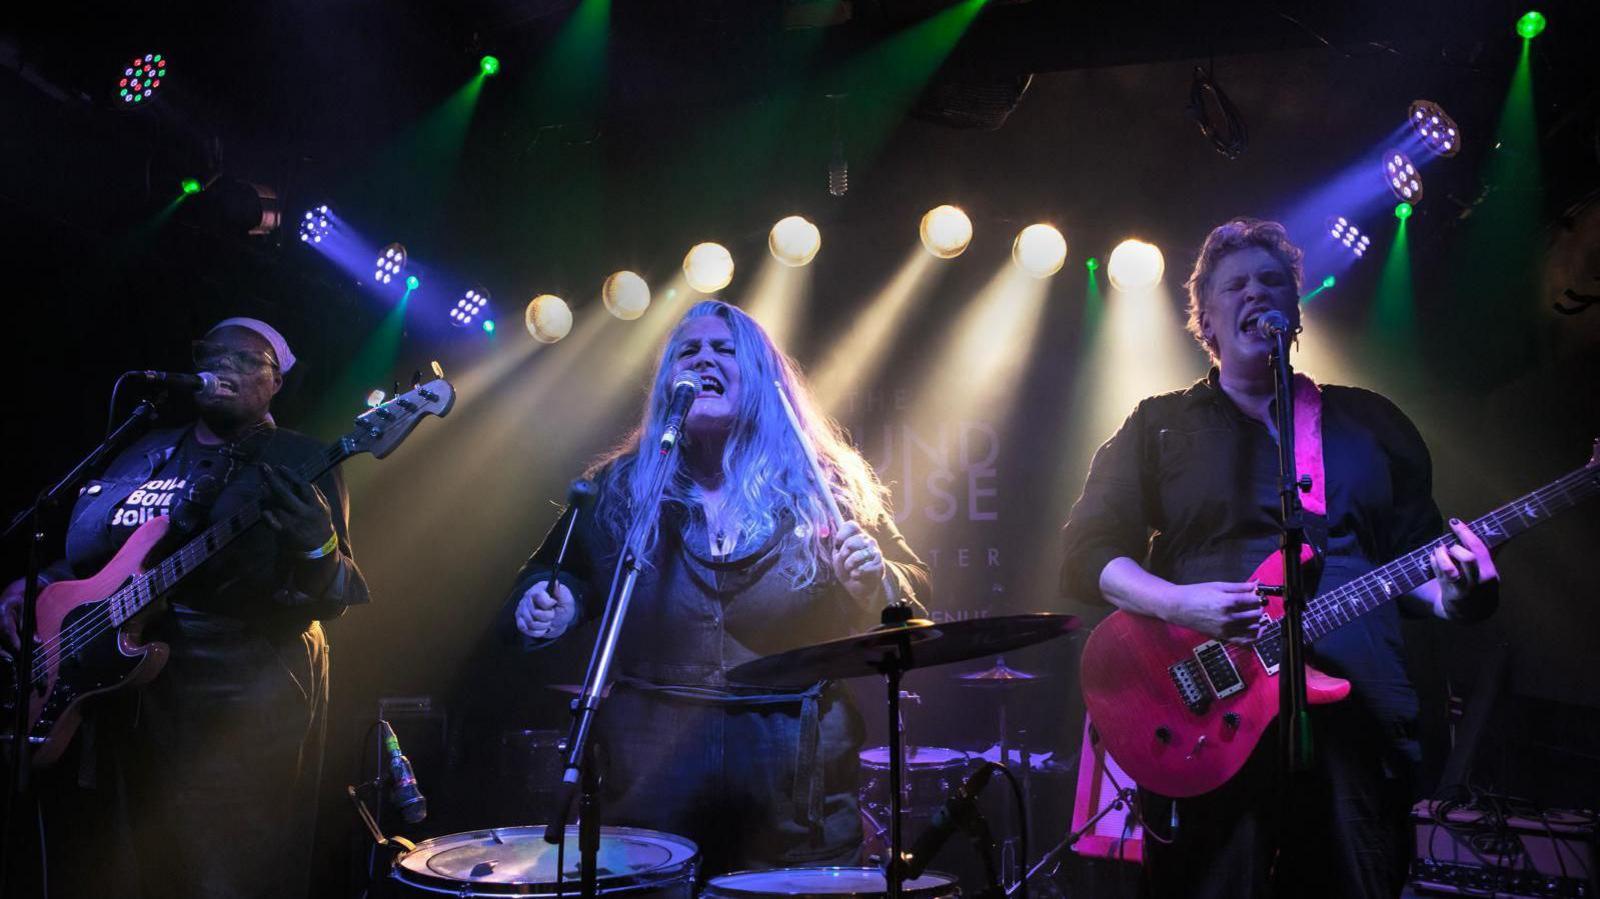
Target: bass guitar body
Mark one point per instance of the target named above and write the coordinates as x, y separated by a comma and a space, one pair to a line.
80, 654
1182, 712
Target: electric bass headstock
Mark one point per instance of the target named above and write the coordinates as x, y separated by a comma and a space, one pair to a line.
385, 426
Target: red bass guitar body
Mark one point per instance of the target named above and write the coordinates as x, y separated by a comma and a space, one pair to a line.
64, 680
1163, 742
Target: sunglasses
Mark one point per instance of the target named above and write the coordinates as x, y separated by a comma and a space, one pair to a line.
209, 356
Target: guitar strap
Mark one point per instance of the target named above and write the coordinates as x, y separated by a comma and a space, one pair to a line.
1308, 443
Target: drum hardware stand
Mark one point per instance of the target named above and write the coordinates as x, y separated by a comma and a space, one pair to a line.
1126, 796
32, 519
893, 666
367, 818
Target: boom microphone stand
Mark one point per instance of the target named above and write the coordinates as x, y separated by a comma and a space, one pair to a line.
1294, 726
579, 775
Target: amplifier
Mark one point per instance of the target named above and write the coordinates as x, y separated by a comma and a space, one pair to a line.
1473, 853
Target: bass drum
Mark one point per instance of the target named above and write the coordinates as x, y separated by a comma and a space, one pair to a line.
516, 861
825, 883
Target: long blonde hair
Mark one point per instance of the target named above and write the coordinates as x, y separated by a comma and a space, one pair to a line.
762, 461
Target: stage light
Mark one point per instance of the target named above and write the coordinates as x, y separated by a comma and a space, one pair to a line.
190, 185
141, 78
625, 295
1346, 232
708, 267
1437, 130
391, 262
1039, 250
412, 283
794, 241
1329, 282
946, 231
1135, 266
1402, 177
315, 225
1402, 211
1531, 25
488, 326
489, 65
548, 318
473, 302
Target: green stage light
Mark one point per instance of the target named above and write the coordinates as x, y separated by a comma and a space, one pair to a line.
1091, 263
1328, 281
489, 65
1403, 211
412, 283
1531, 25
191, 185
488, 326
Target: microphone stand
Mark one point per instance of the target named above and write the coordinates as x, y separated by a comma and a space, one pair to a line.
1295, 747
579, 777
33, 518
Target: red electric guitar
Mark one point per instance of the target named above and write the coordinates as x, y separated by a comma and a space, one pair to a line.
1181, 712
89, 630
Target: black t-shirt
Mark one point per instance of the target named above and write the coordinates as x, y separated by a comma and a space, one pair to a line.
172, 482
1188, 486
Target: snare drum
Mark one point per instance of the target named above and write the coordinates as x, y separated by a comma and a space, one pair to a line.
825, 883
930, 775
516, 861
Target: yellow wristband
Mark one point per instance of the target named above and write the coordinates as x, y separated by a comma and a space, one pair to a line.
323, 550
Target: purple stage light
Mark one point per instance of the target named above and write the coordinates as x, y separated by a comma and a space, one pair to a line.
315, 225
1437, 130
1402, 177
1348, 235
467, 308
391, 262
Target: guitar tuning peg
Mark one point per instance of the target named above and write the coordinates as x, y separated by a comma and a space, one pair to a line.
375, 398
438, 370
416, 378
396, 391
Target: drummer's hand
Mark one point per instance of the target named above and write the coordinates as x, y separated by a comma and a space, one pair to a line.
542, 616
858, 563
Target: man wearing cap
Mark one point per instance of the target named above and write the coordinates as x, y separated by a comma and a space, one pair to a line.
204, 780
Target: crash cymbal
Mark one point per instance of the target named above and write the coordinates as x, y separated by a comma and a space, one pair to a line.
915, 644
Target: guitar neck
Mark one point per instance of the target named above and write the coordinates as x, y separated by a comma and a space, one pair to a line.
1344, 604
151, 585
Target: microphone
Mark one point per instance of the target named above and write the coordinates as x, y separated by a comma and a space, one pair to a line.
403, 793
1271, 324
960, 810
204, 384
684, 390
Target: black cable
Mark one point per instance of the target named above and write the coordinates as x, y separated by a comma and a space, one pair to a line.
1022, 823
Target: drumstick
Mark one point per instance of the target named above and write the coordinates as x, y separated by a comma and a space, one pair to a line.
811, 456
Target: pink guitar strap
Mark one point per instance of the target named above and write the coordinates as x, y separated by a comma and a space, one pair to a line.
1308, 443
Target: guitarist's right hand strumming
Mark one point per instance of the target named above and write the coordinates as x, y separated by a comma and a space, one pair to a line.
1219, 609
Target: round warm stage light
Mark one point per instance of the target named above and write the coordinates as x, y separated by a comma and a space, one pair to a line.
708, 267
1347, 233
468, 308
1039, 250
625, 295
946, 231
1135, 265
1402, 177
391, 262
1435, 127
548, 318
794, 241
315, 225
141, 78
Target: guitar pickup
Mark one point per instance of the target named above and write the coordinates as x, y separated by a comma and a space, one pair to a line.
1218, 667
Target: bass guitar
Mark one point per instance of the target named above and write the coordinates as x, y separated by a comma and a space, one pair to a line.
1181, 712
89, 631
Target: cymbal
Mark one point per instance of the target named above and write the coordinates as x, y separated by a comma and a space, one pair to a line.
916, 644
1001, 675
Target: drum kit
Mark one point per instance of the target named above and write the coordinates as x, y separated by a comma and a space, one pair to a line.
518, 861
